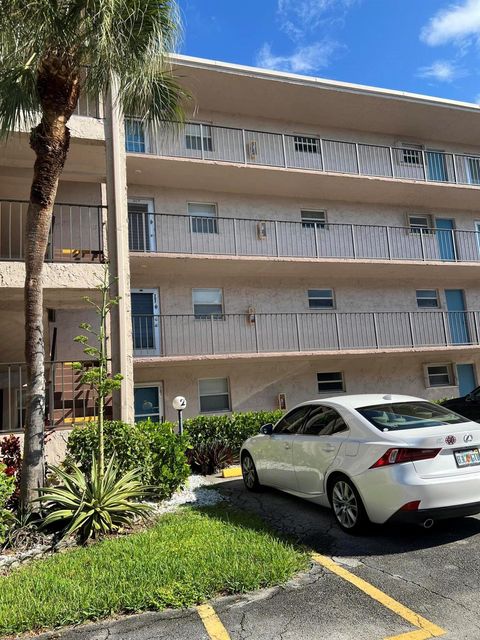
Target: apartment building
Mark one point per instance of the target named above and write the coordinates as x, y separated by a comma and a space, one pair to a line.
295, 238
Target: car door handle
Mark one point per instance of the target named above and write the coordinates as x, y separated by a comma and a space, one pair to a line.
286, 445
328, 447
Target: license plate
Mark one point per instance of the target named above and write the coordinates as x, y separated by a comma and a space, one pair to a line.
467, 457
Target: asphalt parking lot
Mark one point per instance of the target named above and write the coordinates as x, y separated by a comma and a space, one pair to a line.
434, 575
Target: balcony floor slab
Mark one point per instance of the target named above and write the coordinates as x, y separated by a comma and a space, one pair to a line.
158, 265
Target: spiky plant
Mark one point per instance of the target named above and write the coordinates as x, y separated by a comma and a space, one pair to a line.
89, 504
51, 53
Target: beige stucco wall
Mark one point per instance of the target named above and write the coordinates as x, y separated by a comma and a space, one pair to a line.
175, 201
255, 385
55, 447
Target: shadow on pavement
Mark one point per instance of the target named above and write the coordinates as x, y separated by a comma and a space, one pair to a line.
306, 523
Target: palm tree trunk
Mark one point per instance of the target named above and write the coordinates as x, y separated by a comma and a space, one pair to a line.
58, 88
50, 142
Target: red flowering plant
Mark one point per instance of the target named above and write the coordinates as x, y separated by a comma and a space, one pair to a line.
11, 457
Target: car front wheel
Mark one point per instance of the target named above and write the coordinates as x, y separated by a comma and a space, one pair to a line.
249, 473
347, 506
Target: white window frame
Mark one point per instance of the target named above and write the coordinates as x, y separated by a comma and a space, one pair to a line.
405, 147
156, 323
328, 391
451, 370
416, 229
215, 217
161, 403
209, 127
314, 223
151, 236
332, 298
304, 139
228, 394
437, 297
216, 316
146, 136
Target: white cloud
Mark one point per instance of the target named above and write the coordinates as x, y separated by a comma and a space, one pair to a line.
299, 17
457, 23
442, 71
303, 60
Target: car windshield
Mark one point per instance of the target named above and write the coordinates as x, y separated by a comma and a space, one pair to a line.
409, 415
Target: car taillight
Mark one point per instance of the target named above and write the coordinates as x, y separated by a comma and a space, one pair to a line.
397, 456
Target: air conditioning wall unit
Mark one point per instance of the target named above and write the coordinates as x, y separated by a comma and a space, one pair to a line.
262, 230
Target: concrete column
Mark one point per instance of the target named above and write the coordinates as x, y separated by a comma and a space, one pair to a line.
121, 343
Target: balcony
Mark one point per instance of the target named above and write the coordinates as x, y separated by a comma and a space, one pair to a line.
189, 235
185, 336
261, 148
76, 234
68, 401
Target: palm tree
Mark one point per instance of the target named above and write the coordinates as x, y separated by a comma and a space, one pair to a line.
51, 51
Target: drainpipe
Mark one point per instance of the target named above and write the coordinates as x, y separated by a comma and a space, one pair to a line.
115, 197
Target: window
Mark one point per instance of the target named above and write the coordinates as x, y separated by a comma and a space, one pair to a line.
330, 382
409, 415
473, 170
134, 136
439, 375
427, 299
207, 303
320, 298
305, 144
412, 154
204, 217
193, 137
147, 403
292, 422
312, 219
323, 422
419, 224
214, 395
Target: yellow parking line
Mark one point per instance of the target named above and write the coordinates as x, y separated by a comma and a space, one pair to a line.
427, 628
212, 623
420, 634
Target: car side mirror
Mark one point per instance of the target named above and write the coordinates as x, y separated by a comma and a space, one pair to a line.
267, 429
468, 397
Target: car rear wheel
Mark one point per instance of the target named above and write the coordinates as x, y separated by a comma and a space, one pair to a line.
347, 506
249, 473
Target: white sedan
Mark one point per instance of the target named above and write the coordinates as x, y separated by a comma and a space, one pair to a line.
372, 458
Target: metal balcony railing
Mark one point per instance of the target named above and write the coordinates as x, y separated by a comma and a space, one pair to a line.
68, 401
186, 335
247, 146
76, 234
166, 233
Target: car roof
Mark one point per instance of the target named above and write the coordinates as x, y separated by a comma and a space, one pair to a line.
362, 400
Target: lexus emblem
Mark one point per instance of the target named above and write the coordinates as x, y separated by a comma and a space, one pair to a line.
450, 439
467, 437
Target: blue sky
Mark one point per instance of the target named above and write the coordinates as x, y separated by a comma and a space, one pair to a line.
424, 46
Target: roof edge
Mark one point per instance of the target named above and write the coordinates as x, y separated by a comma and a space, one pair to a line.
324, 83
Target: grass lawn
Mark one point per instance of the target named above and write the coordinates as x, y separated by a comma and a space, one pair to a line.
184, 559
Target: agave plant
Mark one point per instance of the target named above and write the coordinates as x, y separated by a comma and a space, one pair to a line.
89, 504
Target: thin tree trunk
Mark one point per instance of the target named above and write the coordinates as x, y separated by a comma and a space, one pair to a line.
57, 85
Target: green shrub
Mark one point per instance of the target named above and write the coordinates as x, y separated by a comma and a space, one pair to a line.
7, 487
168, 462
216, 440
153, 448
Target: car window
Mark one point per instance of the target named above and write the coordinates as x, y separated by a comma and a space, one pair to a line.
475, 394
409, 415
292, 421
323, 422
